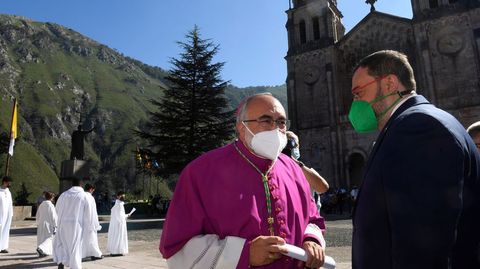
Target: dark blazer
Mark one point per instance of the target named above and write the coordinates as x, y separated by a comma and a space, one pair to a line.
418, 206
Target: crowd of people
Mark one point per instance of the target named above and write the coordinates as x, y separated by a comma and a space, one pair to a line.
67, 228
78, 224
338, 200
245, 204
158, 205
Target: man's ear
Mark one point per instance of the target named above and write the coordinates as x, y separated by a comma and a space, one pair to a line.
392, 83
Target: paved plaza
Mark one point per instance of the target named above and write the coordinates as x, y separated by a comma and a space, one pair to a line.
143, 246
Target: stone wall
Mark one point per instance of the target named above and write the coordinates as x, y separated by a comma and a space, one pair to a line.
21, 212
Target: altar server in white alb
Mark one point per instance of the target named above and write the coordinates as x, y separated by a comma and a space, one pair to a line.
90, 239
74, 213
117, 243
46, 225
6, 213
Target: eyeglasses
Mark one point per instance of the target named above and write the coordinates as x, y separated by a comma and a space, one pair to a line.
358, 88
269, 122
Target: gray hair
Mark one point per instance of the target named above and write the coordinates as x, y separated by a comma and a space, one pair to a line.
385, 62
242, 107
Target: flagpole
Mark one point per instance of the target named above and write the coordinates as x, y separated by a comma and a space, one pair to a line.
7, 166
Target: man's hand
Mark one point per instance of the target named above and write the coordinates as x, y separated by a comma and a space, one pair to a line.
316, 255
266, 249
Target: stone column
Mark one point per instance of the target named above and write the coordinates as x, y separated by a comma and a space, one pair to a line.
72, 169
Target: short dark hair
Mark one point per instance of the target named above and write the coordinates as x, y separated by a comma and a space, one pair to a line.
49, 195
76, 181
89, 186
6, 178
386, 62
120, 193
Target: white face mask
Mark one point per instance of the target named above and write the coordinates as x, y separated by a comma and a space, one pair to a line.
267, 144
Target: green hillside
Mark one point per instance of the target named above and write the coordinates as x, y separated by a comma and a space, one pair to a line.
236, 95
31, 169
60, 78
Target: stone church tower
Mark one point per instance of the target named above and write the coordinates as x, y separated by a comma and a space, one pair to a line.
442, 41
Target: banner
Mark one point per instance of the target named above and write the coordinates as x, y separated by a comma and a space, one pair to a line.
13, 129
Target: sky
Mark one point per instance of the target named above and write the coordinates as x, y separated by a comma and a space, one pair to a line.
251, 34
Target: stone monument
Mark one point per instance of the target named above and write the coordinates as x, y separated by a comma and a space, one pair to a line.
76, 167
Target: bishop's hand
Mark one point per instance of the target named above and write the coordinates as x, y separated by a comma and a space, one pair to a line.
316, 254
266, 249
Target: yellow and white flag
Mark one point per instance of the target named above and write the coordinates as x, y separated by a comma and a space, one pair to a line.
13, 129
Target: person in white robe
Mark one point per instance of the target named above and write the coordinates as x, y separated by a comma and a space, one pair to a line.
6, 213
90, 238
74, 213
117, 243
46, 219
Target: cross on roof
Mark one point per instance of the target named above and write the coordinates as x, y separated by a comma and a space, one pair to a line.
371, 2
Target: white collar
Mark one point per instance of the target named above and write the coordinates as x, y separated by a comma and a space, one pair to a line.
404, 99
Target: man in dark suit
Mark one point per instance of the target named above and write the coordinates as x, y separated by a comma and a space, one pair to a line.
418, 206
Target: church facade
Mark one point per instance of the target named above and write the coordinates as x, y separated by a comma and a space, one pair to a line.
442, 41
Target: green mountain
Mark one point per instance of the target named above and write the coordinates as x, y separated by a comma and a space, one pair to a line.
236, 95
60, 78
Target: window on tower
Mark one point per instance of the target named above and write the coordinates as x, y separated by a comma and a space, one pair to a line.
316, 28
303, 32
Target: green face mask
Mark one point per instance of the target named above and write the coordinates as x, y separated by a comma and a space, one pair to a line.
363, 118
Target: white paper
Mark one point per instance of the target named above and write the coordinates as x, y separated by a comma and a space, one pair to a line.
131, 211
329, 263
296, 252
300, 254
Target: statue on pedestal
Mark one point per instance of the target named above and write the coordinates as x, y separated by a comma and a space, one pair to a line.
78, 138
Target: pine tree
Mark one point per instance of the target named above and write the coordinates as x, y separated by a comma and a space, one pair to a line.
192, 117
21, 197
